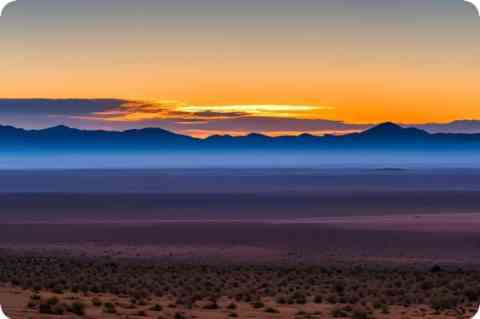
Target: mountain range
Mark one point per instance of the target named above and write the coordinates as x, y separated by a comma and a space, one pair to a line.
388, 136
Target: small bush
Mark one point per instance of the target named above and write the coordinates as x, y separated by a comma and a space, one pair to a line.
211, 306
179, 315
361, 314
338, 313
318, 299
77, 308
45, 308
156, 307
52, 301
258, 304
271, 310
97, 302
108, 307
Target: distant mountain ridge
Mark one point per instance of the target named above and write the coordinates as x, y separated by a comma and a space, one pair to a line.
384, 136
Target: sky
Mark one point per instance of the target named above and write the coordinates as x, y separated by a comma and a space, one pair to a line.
203, 67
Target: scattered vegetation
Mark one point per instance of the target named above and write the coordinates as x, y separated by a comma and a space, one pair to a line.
355, 292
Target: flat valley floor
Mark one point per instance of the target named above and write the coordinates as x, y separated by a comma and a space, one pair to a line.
373, 218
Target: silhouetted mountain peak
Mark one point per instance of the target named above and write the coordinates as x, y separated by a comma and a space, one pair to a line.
61, 128
390, 129
257, 136
306, 135
150, 130
387, 127
155, 133
9, 128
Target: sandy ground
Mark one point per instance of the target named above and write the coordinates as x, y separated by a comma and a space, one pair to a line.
15, 303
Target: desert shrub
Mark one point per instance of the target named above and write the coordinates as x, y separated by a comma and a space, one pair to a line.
361, 314
156, 307
472, 294
179, 315
444, 302
339, 287
258, 304
385, 309
45, 308
332, 299
281, 299
58, 290
300, 313
141, 313
338, 313
52, 301
35, 296
109, 307
97, 302
318, 299
58, 309
271, 310
299, 298
382, 307
211, 306
77, 308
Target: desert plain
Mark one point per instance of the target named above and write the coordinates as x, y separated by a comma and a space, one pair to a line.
246, 243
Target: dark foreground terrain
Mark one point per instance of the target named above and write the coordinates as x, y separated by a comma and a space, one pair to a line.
388, 243
121, 288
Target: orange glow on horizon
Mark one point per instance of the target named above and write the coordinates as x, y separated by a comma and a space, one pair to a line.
208, 133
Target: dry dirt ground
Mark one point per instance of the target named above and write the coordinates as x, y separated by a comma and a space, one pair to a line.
410, 238
16, 302
389, 218
423, 240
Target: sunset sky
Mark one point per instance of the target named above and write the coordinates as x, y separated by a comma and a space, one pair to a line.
204, 67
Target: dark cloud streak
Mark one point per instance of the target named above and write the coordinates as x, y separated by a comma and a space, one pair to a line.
56, 106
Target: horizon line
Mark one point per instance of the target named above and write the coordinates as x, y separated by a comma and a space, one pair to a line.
252, 133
